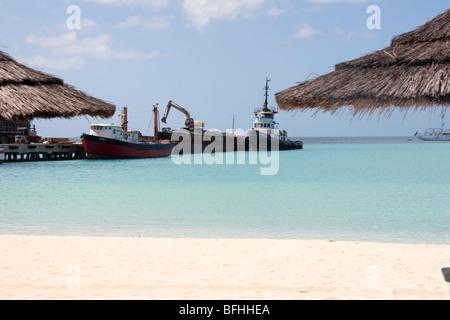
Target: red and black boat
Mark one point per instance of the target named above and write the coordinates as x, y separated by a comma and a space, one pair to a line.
110, 141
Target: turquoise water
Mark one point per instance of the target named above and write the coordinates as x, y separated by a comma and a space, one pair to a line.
352, 189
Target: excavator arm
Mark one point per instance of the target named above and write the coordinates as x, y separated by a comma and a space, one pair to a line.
189, 121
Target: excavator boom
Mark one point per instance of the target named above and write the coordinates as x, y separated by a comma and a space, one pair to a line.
189, 121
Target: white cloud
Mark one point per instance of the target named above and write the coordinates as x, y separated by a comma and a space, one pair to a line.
350, 35
337, 1
274, 12
41, 61
153, 23
202, 12
49, 42
306, 31
68, 51
87, 23
153, 4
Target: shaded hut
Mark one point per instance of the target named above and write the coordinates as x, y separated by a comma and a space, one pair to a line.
26, 94
412, 73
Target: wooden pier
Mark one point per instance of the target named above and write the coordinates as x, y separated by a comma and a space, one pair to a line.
43, 151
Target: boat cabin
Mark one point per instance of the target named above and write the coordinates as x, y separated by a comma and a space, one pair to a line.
264, 120
265, 123
112, 131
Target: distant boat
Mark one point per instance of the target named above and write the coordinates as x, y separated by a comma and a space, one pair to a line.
266, 125
110, 141
264, 118
2, 155
436, 134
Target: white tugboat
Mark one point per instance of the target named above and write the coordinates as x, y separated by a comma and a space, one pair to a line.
436, 134
265, 124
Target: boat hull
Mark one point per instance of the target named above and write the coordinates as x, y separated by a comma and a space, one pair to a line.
435, 138
104, 148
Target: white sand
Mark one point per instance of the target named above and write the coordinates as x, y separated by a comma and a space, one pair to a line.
40, 267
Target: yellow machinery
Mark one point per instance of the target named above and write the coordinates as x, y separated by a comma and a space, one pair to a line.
189, 123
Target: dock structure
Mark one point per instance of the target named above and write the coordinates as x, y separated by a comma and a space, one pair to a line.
232, 143
74, 151
43, 151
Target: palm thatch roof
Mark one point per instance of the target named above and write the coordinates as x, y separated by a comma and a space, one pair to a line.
26, 94
412, 73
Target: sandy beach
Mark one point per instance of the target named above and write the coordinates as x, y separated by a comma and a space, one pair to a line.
44, 267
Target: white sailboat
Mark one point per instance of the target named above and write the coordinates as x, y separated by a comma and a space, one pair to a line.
436, 134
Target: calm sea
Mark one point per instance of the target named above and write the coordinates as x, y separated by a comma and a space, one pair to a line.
358, 189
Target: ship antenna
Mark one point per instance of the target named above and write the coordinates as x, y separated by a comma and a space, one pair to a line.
442, 117
266, 103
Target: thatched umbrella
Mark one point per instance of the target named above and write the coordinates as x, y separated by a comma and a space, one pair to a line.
412, 73
26, 94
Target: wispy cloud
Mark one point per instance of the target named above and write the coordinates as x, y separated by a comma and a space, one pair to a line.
351, 35
201, 12
306, 31
153, 4
274, 12
87, 23
68, 51
337, 1
153, 23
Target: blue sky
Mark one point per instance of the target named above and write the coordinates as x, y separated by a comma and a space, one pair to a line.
211, 57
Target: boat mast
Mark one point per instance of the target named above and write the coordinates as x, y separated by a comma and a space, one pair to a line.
266, 102
124, 117
155, 123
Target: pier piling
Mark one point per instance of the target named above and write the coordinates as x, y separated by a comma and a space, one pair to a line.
42, 151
